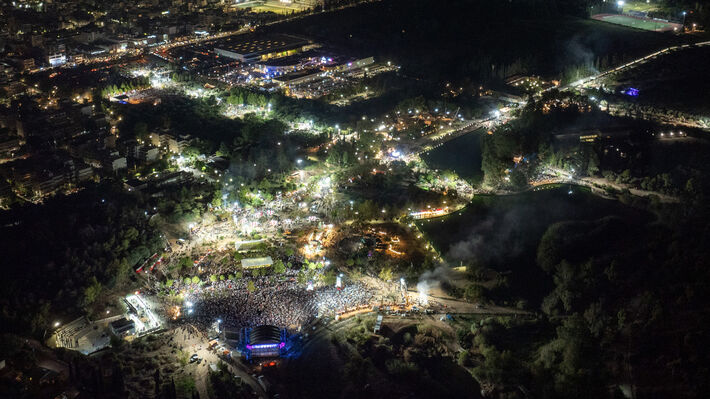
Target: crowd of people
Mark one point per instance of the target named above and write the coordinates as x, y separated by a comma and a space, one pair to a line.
278, 301
331, 300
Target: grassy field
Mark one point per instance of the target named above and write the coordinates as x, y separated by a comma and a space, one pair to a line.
637, 23
273, 6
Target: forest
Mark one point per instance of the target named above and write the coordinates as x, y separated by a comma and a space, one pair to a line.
62, 254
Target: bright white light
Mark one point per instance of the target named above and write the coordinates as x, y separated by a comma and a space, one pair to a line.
620, 3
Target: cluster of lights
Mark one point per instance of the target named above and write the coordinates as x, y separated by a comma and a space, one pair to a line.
673, 134
264, 346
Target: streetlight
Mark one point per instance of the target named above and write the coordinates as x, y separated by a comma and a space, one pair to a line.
620, 3
684, 13
56, 324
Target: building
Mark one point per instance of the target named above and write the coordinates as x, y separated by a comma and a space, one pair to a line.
82, 173
25, 64
56, 59
146, 154
263, 341
253, 49
254, 263
9, 145
118, 163
299, 77
231, 336
283, 65
122, 326
47, 183
111, 45
169, 143
154, 139
351, 64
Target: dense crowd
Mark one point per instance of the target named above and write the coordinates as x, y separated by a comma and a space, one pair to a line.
280, 302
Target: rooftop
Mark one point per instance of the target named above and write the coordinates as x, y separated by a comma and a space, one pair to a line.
257, 262
262, 44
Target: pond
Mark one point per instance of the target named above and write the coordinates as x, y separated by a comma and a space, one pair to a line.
462, 155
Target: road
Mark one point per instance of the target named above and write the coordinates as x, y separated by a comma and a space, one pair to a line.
649, 113
137, 52
222, 35
596, 182
428, 143
634, 63
192, 341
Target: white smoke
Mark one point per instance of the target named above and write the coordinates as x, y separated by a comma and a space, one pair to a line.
429, 280
423, 289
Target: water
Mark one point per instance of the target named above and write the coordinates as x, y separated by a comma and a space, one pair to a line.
462, 155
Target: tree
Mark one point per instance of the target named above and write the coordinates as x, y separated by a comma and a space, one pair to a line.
185, 385
475, 293
386, 274
251, 287
329, 277
301, 277
223, 150
518, 179
593, 165
92, 292
140, 130
279, 267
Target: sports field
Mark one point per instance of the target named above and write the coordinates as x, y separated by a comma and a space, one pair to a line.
274, 6
638, 23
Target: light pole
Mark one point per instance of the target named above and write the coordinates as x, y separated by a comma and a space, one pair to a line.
684, 13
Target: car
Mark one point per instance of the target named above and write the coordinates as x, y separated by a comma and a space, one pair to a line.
193, 358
